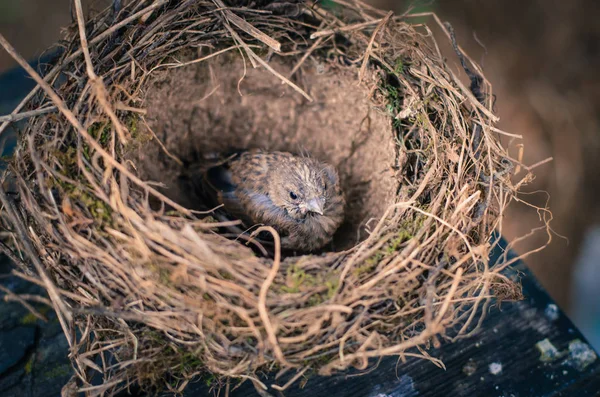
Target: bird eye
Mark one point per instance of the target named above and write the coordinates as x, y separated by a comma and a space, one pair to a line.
293, 196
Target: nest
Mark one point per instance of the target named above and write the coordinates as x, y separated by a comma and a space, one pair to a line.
150, 290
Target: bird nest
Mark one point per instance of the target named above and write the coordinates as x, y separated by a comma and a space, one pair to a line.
149, 289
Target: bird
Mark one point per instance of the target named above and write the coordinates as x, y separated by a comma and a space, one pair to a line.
299, 196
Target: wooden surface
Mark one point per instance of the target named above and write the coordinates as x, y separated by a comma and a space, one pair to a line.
502, 360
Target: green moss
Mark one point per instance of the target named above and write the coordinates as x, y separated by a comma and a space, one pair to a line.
295, 279
154, 336
225, 275
407, 231
331, 287
29, 319
132, 123
60, 371
209, 380
189, 361
394, 97
403, 236
164, 276
99, 210
77, 193
369, 265
29, 364
364, 269
374, 260
139, 136
101, 131
68, 160
315, 300
399, 66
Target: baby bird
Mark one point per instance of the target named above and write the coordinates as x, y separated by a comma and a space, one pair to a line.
300, 197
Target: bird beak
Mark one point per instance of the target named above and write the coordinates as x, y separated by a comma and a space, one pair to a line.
314, 205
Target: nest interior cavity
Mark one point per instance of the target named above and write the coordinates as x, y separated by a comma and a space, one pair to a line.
212, 107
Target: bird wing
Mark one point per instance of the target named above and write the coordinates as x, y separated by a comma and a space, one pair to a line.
220, 189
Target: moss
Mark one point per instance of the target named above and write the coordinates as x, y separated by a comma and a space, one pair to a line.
394, 97
403, 236
60, 371
68, 160
374, 260
189, 361
407, 231
399, 66
225, 275
164, 276
363, 269
154, 336
209, 380
132, 122
331, 287
295, 279
139, 135
30, 318
99, 210
28, 368
101, 131
315, 300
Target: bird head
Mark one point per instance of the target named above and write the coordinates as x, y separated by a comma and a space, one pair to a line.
303, 187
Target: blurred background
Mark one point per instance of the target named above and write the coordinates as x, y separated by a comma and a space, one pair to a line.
542, 58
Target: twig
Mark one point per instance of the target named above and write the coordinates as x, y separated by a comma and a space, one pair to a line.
347, 28
201, 59
6, 250
262, 297
451, 292
499, 131
126, 108
97, 84
248, 28
535, 165
291, 381
367, 55
315, 45
12, 296
11, 118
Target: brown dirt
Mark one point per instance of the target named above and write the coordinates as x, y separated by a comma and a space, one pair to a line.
210, 108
